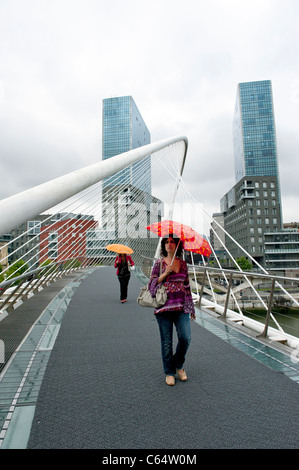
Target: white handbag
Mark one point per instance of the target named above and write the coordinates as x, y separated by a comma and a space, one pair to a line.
145, 298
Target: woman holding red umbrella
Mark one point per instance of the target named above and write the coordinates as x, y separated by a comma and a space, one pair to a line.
178, 309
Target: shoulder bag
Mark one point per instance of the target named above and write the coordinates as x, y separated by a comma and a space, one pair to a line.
145, 298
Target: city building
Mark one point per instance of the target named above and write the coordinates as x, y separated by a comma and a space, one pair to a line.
253, 206
23, 242
65, 238
217, 237
254, 134
125, 217
251, 209
124, 129
282, 252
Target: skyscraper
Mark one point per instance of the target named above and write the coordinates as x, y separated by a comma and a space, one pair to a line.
252, 207
124, 129
254, 132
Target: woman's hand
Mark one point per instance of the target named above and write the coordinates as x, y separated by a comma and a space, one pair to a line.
168, 270
166, 273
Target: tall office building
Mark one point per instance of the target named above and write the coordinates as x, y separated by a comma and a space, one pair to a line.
253, 206
254, 134
124, 129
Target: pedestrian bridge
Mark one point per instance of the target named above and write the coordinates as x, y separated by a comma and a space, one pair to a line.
89, 375
81, 370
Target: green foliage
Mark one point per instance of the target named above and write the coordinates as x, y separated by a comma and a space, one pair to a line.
244, 263
17, 269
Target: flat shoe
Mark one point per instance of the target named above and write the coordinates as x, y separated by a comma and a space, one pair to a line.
170, 380
182, 375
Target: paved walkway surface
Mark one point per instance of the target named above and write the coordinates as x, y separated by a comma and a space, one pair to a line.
103, 386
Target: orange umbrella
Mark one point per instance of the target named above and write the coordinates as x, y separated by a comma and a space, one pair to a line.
120, 249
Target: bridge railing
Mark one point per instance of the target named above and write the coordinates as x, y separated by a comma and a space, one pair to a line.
17, 289
93, 207
112, 202
69, 220
236, 295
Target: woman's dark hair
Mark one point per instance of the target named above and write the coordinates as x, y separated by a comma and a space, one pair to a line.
176, 240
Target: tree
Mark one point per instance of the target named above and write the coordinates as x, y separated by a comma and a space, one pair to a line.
17, 269
244, 263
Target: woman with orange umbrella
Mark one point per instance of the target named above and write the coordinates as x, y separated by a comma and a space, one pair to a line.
178, 308
122, 262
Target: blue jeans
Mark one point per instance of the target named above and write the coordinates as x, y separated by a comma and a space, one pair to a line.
181, 321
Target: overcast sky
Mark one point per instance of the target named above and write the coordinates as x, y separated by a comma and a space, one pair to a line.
181, 62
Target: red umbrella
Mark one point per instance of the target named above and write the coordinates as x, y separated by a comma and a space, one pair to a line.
200, 245
169, 228
192, 240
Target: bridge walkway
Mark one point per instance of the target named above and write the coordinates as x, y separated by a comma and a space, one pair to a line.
101, 385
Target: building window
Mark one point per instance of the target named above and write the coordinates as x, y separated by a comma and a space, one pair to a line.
34, 227
53, 244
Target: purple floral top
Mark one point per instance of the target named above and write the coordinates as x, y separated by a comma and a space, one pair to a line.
177, 287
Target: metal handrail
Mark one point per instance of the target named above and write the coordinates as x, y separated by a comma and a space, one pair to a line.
230, 274
49, 273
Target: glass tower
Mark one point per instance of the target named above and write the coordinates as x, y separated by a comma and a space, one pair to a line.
124, 129
254, 132
252, 207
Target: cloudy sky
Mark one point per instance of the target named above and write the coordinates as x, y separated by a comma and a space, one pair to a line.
181, 62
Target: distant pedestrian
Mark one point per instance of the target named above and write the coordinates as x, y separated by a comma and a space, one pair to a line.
122, 263
177, 311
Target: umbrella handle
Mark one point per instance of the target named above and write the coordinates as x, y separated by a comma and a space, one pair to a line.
175, 252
